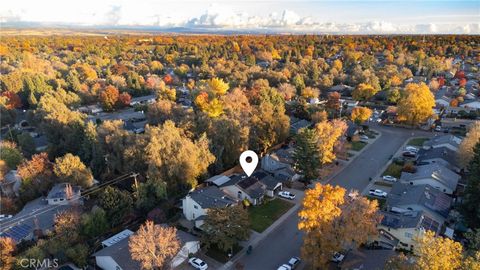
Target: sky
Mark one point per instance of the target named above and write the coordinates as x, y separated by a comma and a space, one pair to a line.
340, 16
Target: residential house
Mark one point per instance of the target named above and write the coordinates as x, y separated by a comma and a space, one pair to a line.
404, 198
272, 184
143, 100
450, 141
279, 163
435, 175
116, 254
297, 124
64, 194
196, 204
10, 184
405, 227
363, 259
34, 220
472, 105
440, 155
242, 188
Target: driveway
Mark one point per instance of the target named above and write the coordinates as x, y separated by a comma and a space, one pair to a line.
286, 240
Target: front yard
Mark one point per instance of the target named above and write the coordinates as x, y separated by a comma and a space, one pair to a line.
221, 256
357, 146
262, 216
417, 141
394, 170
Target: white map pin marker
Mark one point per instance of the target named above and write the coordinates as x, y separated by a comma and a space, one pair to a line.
248, 167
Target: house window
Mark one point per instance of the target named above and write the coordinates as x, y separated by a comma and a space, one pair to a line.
408, 235
239, 194
196, 207
54, 200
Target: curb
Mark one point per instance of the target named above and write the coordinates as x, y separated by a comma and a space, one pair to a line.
380, 134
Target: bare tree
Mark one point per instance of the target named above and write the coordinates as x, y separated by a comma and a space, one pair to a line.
153, 245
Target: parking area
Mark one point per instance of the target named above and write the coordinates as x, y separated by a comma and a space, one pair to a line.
212, 264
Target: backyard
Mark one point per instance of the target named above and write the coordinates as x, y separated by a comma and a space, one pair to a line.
262, 216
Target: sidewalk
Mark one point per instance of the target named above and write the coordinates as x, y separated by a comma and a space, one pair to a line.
256, 238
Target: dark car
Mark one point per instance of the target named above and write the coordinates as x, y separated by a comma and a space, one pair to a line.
409, 154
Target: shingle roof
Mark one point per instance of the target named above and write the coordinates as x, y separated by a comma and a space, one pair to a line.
267, 179
59, 191
438, 153
371, 259
434, 171
250, 185
445, 139
424, 195
410, 219
210, 197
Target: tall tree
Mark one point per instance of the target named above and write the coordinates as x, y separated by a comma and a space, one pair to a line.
333, 220
360, 114
225, 227
71, 169
175, 158
437, 253
153, 245
465, 150
117, 203
329, 132
471, 200
95, 223
306, 155
416, 105
7, 247
363, 92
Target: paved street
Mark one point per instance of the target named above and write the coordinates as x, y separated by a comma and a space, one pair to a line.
285, 241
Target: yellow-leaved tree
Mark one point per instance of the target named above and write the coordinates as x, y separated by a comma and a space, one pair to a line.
218, 86
416, 105
329, 132
465, 151
363, 91
333, 220
437, 253
360, 114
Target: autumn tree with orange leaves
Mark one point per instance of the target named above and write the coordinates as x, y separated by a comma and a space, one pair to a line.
7, 247
360, 114
333, 220
153, 245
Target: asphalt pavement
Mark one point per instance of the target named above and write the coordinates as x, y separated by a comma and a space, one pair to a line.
286, 240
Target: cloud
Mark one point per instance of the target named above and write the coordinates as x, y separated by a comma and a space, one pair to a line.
114, 15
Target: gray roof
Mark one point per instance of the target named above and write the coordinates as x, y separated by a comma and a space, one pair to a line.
250, 185
433, 171
35, 214
267, 179
59, 191
445, 139
444, 153
11, 177
218, 180
121, 254
371, 259
423, 195
210, 197
410, 219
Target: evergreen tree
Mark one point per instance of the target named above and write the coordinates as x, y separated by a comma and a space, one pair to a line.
471, 200
306, 155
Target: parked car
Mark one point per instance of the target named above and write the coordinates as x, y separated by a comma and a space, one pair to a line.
378, 193
438, 128
337, 257
284, 267
409, 154
294, 262
389, 178
286, 195
411, 149
364, 137
197, 263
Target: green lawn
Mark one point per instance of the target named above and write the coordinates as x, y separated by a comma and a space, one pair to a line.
221, 256
417, 141
262, 216
357, 146
394, 170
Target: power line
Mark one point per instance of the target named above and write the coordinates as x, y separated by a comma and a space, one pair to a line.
11, 222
